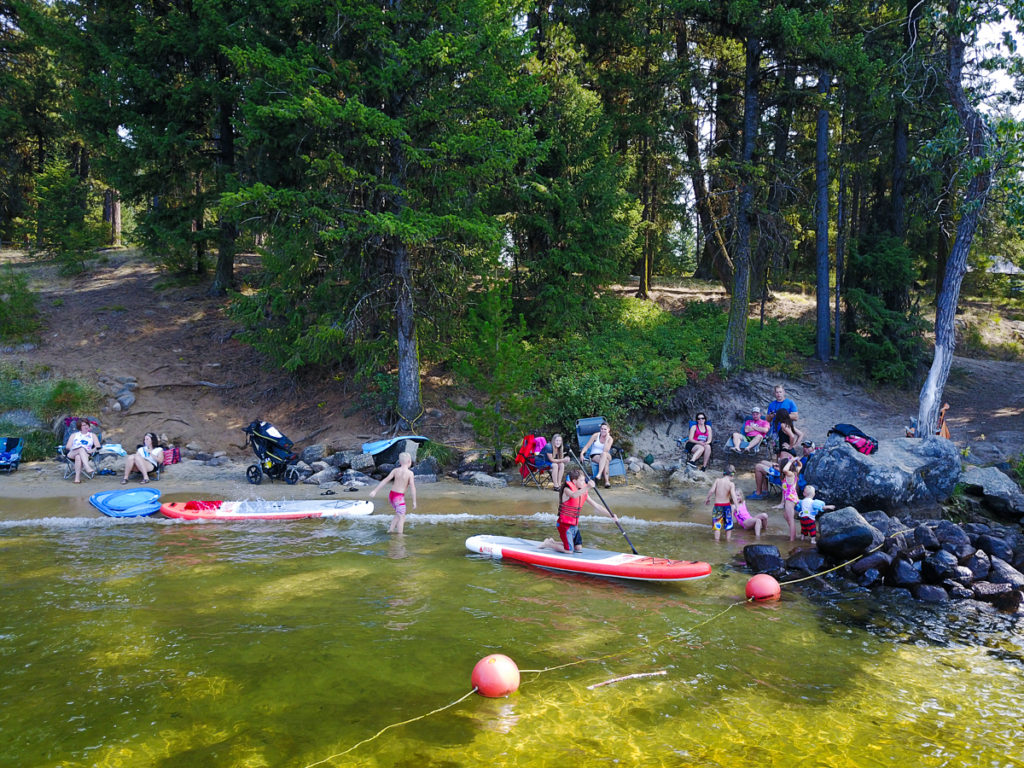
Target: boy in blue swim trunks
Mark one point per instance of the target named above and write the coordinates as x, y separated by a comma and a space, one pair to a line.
724, 493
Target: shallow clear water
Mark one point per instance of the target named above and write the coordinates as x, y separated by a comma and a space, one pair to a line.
158, 643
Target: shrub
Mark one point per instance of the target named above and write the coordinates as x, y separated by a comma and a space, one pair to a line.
446, 455
19, 318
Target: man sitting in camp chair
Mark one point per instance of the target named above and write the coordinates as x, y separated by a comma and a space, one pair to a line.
754, 430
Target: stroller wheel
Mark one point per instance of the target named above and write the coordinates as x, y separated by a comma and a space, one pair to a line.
291, 475
254, 474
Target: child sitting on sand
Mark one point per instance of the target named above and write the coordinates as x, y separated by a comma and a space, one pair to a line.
807, 509
744, 519
724, 492
403, 478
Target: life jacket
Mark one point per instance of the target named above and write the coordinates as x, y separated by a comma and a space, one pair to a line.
569, 509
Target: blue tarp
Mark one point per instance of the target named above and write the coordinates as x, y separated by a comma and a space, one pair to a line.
382, 445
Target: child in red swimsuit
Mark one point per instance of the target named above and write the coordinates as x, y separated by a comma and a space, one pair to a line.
570, 503
403, 479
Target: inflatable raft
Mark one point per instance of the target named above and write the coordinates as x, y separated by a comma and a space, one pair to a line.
265, 510
595, 562
133, 502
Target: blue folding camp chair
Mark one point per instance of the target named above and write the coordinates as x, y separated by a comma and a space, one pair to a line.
10, 453
584, 429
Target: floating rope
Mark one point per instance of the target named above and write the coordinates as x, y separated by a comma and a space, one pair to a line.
394, 725
538, 673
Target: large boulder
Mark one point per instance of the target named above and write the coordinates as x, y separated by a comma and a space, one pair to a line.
996, 491
844, 533
905, 472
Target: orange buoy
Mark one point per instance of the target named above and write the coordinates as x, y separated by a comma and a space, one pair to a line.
495, 675
763, 588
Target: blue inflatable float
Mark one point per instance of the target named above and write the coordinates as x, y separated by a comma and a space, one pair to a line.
134, 502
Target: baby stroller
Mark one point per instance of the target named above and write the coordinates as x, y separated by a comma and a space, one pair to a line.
274, 452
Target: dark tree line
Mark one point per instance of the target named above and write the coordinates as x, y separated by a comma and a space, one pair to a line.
385, 157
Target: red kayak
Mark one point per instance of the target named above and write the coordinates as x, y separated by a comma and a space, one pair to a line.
596, 562
265, 510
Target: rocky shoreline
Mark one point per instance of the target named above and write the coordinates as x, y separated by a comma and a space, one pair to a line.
933, 561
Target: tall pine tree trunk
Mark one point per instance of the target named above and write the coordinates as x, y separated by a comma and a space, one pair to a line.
734, 349
112, 215
821, 221
971, 206
721, 263
224, 274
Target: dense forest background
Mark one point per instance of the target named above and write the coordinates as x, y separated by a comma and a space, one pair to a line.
455, 184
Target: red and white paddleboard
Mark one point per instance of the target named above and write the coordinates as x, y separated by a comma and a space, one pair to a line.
596, 562
265, 510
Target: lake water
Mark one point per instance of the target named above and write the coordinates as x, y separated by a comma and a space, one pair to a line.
156, 643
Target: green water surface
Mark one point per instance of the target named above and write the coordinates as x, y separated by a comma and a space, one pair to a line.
157, 643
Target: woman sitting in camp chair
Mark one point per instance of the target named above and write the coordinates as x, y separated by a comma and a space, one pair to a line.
145, 460
599, 450
80, 448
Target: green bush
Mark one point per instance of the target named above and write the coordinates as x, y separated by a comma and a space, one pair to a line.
446, 455
65, 232
19, 317
45, 397
39, 444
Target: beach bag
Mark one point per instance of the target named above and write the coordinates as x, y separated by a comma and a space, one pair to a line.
856, 438
172, 455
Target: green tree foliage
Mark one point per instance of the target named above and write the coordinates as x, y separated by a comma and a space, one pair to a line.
157, 102
571, 224
65, 230
19, 317
886, 339
393, 130
495, 360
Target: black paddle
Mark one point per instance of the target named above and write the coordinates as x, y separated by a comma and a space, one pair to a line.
616, 519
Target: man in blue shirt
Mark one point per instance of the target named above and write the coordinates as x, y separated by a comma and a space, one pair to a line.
781, 401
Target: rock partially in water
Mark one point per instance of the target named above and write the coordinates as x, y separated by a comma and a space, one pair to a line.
879, 561
930, 593
903, 573
844, 533
764, 558
987, 592
1004, 573
938, 567
806, 560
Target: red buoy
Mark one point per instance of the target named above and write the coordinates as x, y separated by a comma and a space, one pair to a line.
762, 588
495, 675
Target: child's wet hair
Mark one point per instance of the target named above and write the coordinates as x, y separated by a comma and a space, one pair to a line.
405, 457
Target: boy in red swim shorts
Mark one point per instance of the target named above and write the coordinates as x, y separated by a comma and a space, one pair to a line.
402, 479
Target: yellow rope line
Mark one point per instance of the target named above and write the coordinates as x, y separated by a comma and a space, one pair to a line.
394, 725
535, 671
539, 672
848, 562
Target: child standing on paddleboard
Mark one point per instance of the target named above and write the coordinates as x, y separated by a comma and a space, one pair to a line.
402, 479
570, 503
724, 493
